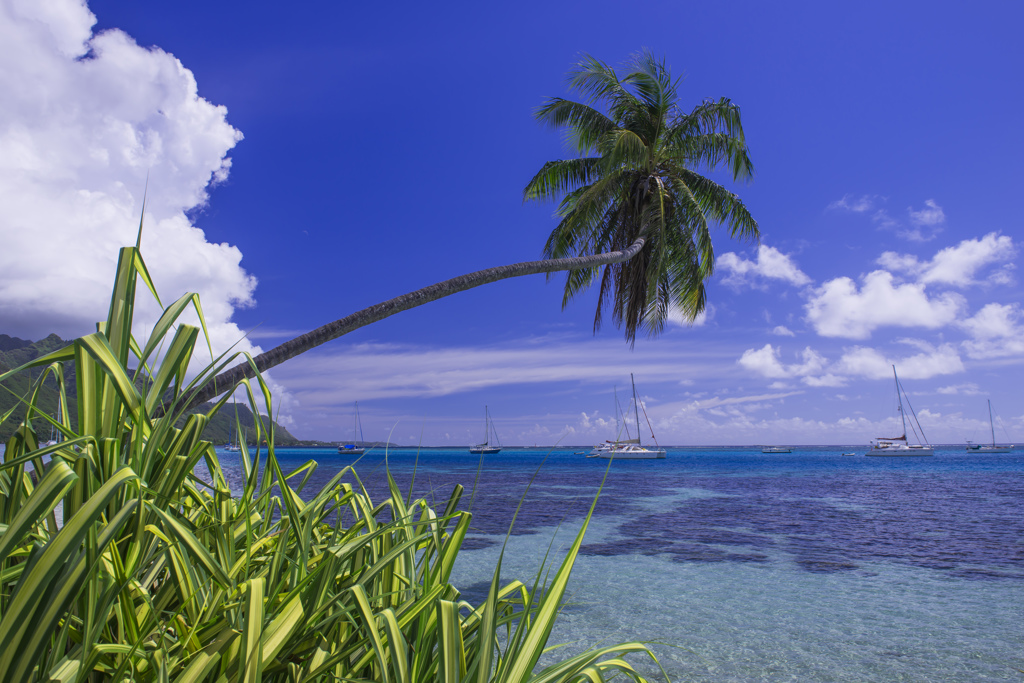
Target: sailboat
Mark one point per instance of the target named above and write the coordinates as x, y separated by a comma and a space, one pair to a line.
235, 447
53, 433
629, 449
357, 430
1003, 448
897, 445
600, 448
486, 448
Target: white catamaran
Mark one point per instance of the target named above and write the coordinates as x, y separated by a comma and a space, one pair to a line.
629, 449
486, 448
897, 446
357, 430
985, 448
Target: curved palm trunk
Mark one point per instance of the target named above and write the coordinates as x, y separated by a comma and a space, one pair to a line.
229, 379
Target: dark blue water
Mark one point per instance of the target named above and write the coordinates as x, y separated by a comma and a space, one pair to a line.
801, 566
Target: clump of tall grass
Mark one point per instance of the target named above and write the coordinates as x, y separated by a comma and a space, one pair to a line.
157, 571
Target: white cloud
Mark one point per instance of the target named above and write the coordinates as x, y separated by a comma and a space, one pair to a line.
967, 389
925, 223
815, 370
958, 265
870, 363
932, 214
996, 332
384, 374
766, 362
783, 331
839, 309
826, 380
771, 264
85, 119
993, 321
855, 204
676, 317
884, 220
340, 373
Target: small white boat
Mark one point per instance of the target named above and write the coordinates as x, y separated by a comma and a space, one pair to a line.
776, 449
235, 447
357, 430
486, 448
849, 454
894, 447
629, 449
897, 446
993, 448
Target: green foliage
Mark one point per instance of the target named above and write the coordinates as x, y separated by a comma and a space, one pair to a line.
637, 178
125, 555
16, 352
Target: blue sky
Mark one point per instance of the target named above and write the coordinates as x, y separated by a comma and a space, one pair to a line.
308, 161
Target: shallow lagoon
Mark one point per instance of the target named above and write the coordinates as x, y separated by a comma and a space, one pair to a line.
756, 567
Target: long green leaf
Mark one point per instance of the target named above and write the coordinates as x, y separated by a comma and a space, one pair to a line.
55, 483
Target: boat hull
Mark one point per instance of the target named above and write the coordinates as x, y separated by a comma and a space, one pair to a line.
908, 452
351, 451
486, 450
776, 449
643, 454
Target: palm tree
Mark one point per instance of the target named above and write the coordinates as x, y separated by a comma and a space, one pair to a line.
638, 209
637, 178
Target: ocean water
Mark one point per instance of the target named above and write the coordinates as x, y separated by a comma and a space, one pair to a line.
743, 566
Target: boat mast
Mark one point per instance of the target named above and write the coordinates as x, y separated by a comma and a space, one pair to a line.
615, 392
636, 409
487, 426
358, 427
900, 399
991, 425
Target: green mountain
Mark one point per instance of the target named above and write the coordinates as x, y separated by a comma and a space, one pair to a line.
15, 352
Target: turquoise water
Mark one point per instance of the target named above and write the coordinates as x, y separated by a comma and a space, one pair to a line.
807, 566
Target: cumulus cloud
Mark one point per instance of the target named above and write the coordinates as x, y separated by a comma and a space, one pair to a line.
871, 363
85, 119
957, 265
840, 309
996, 332
815, 370
771, 264
783, 331
766, 362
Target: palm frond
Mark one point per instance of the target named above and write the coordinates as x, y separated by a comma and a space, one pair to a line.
595, 80
584, 125
562, 176
722, 206
656, 154
624, 148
